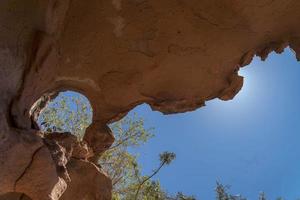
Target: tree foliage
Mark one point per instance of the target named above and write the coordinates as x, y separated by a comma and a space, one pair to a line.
222, 193
67, 113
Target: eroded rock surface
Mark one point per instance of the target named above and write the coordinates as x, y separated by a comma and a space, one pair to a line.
172, 54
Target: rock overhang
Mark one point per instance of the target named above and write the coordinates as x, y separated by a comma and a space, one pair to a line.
173, 55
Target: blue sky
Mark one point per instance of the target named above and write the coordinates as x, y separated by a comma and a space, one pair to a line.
250, 142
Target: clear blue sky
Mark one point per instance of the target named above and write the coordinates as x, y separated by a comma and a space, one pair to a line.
250, 143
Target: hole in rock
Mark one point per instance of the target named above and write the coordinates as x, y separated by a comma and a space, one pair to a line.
14, 196
250, 143
68, 112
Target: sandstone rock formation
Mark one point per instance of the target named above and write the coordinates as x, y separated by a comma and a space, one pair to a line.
172, 54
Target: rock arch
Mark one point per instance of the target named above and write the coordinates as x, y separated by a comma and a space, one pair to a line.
173, 55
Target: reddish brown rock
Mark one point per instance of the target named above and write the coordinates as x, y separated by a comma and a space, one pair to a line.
87, 182
14, 196
173, 54
27, 167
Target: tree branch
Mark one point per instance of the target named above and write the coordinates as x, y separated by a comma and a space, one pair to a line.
148, 178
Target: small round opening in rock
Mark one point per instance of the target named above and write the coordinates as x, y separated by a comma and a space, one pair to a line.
69, 112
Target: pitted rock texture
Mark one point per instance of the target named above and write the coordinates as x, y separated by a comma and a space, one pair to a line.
172, 54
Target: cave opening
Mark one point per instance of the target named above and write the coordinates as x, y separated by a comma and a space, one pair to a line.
250, 143
68, 111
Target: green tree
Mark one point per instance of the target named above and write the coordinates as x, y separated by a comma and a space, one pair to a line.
181, 196
262, 196
222, 193
123, 168
165, 159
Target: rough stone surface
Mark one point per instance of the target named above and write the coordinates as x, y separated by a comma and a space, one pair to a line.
90, 183
172, 54
14, 196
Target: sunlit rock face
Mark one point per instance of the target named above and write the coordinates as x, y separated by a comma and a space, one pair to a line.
171, 54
